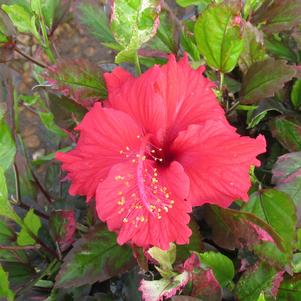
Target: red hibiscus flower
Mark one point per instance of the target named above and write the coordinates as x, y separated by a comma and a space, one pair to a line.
160, 146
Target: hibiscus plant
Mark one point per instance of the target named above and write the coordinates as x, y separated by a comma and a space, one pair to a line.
150, 150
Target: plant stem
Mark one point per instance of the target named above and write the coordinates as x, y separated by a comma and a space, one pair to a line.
221, 82
17, 181
36, 211
137, 64
19, 248
46, 47
42, 189
28, 57
234, 106
18, 200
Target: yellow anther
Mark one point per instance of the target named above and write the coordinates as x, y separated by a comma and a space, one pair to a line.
121, 202
125, 220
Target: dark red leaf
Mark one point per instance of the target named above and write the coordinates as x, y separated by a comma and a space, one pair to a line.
78, 79
62, 226
278, 15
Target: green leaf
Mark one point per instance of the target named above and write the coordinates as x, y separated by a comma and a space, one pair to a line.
221, 266
270, 254
20, 274
3, 39
133, 23
195, 242
261, 297
290, 289
95, 257
51, 156
251, 6
96, 22
158, 289
30, 100
47, 119
64, 109
287, 130
6, 27
253, 282
185, 3
21, 18
264, 78
49, 10
274, 207
5, 206
299, 238
164, 258
164, 39
4, 30
79, 79
238, 229
36, 6
5, 291
278, 48
287, 178
8, 238
278, 15
296, 263
255, 116
253, 50
296, 94
189, 45
7, 146
218, 38
46, 9
30, 227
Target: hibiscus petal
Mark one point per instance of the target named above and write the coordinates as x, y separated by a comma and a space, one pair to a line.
217, 161
138, 98
145, 208
107, 137
188, 95
116, 79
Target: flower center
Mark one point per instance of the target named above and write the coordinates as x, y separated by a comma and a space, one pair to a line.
152, 193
